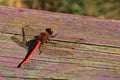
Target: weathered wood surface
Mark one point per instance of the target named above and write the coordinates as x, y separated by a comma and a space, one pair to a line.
96, 57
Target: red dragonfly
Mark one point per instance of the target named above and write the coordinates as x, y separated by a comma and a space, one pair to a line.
35, 43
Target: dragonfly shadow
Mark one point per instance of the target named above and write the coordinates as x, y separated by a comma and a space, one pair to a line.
29, 45
16, 40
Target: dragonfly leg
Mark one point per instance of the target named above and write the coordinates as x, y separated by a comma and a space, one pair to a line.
40, 51
48, 41
52, 36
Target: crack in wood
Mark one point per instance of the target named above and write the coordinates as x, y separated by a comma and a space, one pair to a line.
93, 44
31, 78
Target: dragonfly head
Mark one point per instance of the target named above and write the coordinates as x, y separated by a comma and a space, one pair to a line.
49, 31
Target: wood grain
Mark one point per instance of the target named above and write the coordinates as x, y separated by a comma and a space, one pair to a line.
85, 48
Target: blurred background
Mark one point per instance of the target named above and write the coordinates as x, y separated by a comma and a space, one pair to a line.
97, 8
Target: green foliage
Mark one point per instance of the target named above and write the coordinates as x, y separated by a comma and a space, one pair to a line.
97, 8
2, 2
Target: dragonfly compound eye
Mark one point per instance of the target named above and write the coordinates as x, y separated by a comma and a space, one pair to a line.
49, 30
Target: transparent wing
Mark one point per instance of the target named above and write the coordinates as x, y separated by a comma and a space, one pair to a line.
28, 34
29, 31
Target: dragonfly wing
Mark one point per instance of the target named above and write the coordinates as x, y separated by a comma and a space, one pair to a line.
20, 43
29, 31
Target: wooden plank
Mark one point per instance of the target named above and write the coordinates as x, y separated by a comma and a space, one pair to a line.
96, 57
91, 30
83, 62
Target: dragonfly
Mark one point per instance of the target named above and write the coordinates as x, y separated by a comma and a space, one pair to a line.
36, 43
